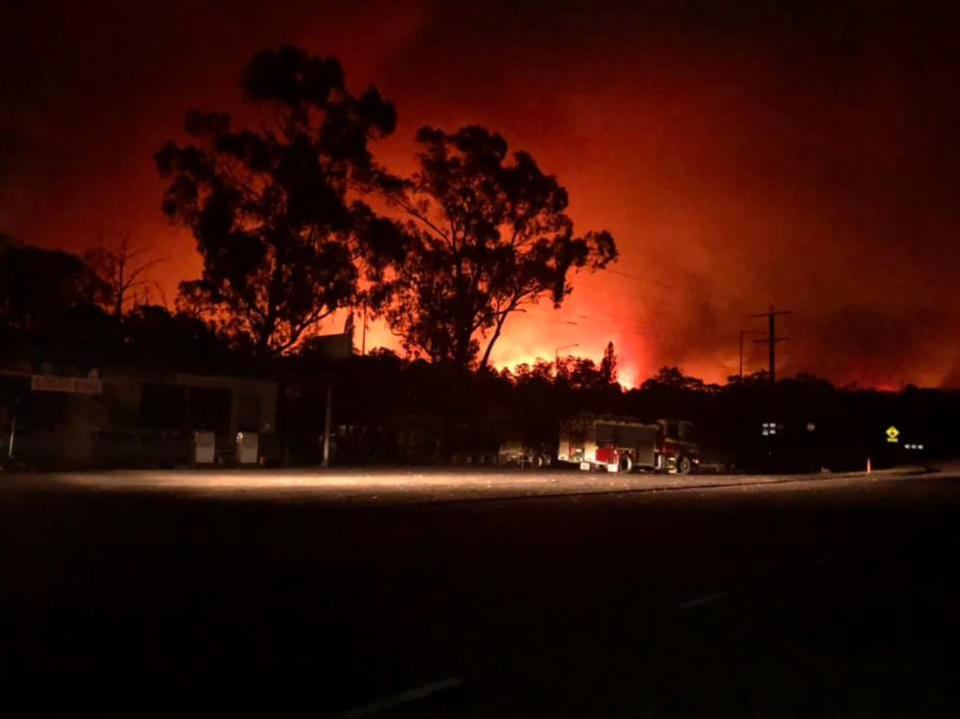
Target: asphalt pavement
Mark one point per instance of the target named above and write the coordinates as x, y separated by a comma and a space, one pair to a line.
403, 485
484, 594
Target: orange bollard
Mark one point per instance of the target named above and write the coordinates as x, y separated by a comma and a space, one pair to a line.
869, 468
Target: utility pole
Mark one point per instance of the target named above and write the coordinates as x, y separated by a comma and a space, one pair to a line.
771, 339
742, 333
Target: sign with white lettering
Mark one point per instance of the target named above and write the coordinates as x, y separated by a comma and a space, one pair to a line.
74, 385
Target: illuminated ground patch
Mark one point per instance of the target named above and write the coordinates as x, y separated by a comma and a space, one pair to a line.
409, 485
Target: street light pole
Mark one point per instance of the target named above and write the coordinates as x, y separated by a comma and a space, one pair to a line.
741, 355
742, 333
327, 422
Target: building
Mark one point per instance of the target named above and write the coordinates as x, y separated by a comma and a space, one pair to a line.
128, 417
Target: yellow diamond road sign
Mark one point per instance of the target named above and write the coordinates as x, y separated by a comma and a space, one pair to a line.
893, 434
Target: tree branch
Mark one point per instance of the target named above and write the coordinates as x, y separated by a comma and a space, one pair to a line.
416, 214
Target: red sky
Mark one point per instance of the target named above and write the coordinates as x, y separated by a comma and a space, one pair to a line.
743, 154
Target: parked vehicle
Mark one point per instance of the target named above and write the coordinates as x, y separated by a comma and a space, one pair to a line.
622, 444
519, 454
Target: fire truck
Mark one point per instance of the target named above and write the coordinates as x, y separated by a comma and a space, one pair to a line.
619, 444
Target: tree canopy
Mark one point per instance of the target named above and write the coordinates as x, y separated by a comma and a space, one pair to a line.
48, 296
268, 206
487, 234
608, 365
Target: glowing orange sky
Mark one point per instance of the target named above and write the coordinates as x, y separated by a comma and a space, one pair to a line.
740, 160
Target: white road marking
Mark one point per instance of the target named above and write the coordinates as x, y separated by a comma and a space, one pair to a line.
705, 599
386, 703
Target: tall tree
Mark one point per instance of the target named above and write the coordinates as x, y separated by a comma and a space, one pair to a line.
268, 207
124, 271
487, 235
608, 365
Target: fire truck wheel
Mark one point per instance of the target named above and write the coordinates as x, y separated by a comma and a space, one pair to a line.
626, 464
537, 461
684, 465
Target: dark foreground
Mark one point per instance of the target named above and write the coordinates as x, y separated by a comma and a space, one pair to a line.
810, 599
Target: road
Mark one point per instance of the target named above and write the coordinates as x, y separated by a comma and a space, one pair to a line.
482, 594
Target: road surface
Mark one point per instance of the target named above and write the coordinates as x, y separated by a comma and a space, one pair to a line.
482, 594
414, 485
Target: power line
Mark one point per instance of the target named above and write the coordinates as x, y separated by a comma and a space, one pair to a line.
642, 278
666, 285
742, 333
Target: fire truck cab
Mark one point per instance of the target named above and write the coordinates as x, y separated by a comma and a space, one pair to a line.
620, 444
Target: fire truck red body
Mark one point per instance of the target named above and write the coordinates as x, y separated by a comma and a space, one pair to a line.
620, 444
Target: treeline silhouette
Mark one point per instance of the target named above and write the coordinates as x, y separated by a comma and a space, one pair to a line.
283, 217
295, 219
55, 308
818, 424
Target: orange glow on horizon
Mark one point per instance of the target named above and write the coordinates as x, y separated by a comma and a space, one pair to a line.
732, 175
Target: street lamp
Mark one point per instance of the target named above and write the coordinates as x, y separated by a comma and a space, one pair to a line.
742, 333
556, 357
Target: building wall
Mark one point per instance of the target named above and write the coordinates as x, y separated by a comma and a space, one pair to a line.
122, 395
107, 428
254, 405
253, 401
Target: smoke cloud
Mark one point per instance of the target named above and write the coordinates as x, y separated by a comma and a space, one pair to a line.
742, 154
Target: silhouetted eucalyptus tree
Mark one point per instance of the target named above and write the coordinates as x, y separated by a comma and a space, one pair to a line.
121, 268
488, 234
268, 207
